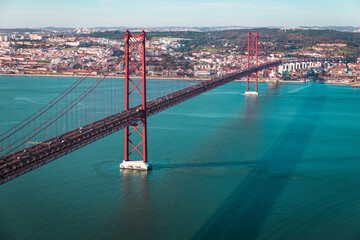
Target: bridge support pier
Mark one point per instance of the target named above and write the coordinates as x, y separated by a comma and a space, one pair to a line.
251, 93
135, 135
135, 165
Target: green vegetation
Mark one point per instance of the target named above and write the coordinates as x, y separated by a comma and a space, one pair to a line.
71, 48
108, 34
349, 51
274, 40
212, 50
42, 61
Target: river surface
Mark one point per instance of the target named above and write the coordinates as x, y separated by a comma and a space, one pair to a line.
285, 165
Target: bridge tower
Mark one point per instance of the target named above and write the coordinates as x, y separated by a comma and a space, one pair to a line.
252, 81
135, 136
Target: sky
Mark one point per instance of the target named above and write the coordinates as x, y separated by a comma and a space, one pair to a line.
186, 13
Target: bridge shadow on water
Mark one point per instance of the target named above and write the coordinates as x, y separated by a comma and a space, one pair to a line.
243, 213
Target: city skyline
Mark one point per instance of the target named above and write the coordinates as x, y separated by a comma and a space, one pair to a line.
159, 13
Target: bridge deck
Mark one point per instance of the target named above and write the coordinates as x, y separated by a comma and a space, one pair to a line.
21, 162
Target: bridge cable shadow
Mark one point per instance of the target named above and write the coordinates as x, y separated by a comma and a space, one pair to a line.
246, 209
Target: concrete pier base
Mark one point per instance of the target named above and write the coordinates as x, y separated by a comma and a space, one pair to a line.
135, 165
251, 94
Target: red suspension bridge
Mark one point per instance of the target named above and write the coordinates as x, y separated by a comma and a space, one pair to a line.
93, 108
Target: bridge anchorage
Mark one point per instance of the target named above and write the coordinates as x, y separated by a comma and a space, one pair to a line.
252, 79
135, 62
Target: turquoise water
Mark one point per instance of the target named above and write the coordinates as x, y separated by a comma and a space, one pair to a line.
285, 165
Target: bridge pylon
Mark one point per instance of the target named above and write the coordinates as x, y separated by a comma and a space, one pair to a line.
252, 79
136, 135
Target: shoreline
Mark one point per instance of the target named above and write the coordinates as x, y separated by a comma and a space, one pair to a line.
168, 78
100, 76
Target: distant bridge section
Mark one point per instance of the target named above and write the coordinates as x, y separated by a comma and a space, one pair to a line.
292, 65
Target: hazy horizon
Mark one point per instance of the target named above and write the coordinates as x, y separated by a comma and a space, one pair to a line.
185, 13
185, 27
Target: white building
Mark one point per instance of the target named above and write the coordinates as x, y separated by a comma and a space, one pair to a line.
35, 37
4, 38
